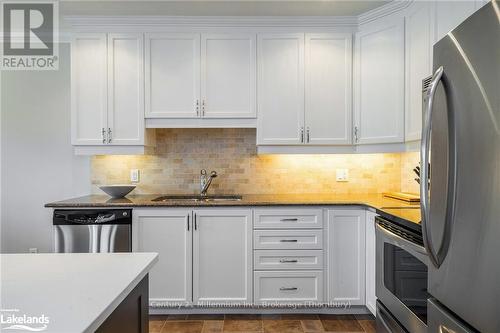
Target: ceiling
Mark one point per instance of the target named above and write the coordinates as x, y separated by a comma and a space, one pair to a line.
220, 7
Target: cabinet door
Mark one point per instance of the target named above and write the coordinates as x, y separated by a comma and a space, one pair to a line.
168, 232
379, 90
346, 256
371, 298
281, 89
328, 92
449, 14
172, 75
418, 64
228, 73
88, 89
126, 89
222, 259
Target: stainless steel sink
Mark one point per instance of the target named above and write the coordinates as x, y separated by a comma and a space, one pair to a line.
197, 198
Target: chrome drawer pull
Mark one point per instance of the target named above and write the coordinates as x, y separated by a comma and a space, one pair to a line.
288, 288
289, 220
288, 240
288, 260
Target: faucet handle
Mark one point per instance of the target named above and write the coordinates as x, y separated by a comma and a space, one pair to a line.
213, 174
203, 172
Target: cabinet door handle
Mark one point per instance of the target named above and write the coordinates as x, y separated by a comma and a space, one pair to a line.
197, 108
203, 108
286, 261
302, 135
288, 240
308, 135
103, 132
188, 222
289, 220
288, 288
109, 135
195, 222
356, 138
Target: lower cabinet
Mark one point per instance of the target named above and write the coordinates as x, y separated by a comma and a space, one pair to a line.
205, 255
288, 287
346, 256
222, 256
371, 298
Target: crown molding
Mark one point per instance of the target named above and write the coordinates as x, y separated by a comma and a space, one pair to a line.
385, 10
210, 21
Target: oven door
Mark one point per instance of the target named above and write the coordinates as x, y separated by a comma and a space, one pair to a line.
401, 275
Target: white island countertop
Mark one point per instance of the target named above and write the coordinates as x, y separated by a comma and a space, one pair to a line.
75, 292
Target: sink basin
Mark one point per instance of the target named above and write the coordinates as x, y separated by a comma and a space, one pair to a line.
197, 198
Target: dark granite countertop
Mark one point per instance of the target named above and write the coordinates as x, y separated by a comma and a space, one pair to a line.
390, 208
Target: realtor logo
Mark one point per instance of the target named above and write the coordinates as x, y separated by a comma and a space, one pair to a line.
29, 35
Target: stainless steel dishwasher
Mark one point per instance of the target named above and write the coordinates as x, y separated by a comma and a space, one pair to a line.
92, 230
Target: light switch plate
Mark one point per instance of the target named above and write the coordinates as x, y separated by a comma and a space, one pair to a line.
134, 175
342, 175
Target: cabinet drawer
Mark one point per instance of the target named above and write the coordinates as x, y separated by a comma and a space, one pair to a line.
288, 239
283, 287
288, 218
288, 259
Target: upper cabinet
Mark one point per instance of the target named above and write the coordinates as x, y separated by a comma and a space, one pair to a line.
419, 24
449, 14
304, 89
192, 75
281, 89
228, 71
172, 75
380, 82
107, 92
328, 93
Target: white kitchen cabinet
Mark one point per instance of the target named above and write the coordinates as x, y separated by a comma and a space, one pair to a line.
126, 89
228, 75
419, 28
379, 82
89, 94
107, 93
168, 232
328, 93
346, 256
371, 298
172, 75
222, 255
280, 89
288, 287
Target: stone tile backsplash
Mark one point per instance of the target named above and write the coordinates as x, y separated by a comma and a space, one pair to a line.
181, 153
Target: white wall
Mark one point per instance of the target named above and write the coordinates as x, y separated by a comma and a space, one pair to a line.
37, 161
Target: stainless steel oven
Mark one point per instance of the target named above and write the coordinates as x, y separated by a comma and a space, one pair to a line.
401, 274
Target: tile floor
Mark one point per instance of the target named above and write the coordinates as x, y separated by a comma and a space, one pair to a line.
271, 323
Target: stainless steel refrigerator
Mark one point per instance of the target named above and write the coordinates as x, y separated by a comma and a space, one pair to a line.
461, 203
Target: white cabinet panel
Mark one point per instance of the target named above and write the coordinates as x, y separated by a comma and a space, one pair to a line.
222, 257
449, 14
371, 298
280, 89
88, 89
228, 75
126, 89
286, 287
418, 64
328, 93
172, 75
346, 256
166, 231
292, 218
379, 88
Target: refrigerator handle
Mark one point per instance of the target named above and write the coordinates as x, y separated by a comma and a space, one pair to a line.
424, 170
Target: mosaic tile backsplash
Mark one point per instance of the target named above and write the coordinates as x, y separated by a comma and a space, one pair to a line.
180, 154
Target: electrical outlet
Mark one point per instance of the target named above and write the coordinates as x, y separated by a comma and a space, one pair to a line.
342, 175
134, 175
33, 250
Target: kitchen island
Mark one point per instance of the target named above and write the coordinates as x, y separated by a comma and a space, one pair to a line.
75, 292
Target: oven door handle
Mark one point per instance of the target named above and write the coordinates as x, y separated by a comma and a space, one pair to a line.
401, 242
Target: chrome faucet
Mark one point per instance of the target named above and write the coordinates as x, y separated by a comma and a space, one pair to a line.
205, 181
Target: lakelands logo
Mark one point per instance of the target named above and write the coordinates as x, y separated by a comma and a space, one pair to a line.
12, 319
29, 35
